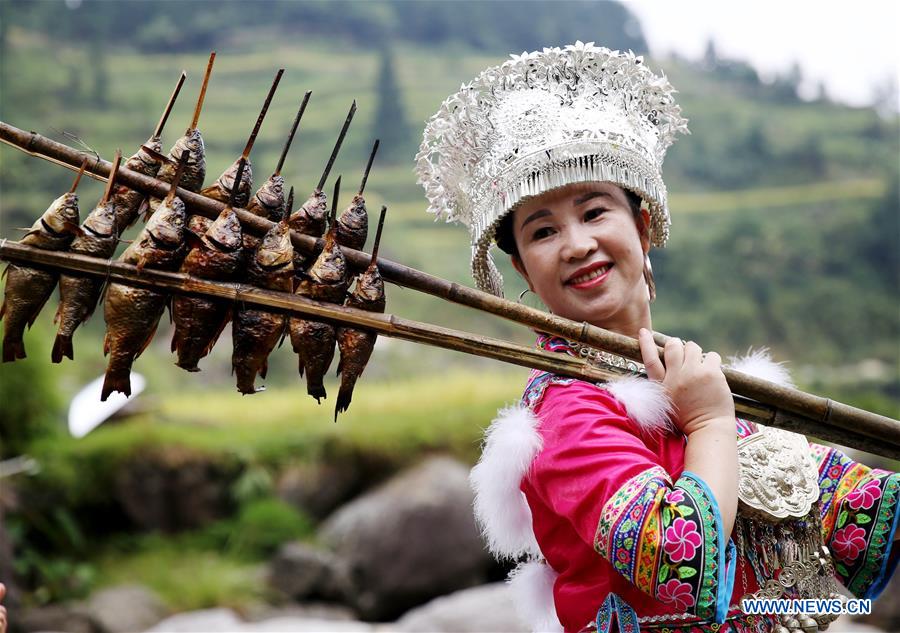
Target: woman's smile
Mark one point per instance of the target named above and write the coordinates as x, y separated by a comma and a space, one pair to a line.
590, 276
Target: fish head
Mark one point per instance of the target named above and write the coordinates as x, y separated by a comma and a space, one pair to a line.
166, 225
228, 176
271, 194
355, 215
370, 286
276, 250
191, 142
225, 232
62, 213
102, 220
143, 159
330, 266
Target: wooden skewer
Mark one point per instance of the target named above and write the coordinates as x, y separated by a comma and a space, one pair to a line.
199, 106
242, 162
112, 177
290, 138
182, 163
290, 199
397, 327
337, 147
165, 116
374, 261
78, 177
365, 177
790, 401
334, 200
262, 115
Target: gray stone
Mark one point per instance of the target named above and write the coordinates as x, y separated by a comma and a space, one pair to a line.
482, 609
410, 540
318, 488
205, 621
60, 618
126, 608
301, 571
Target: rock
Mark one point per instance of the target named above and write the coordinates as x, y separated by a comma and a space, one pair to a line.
410, 540
174, 488
205, 621
300, 572
307, 610
306, 625
60, 618
125, 608
478, 610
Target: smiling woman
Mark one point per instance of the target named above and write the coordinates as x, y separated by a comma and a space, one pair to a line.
622, 497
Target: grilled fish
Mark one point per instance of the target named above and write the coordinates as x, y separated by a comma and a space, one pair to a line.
127, 202
326, 280
27, 289
78, 294
132, 314
355, 345
256, 332
199, 321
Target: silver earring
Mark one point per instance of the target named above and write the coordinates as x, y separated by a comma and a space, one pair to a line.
522, 295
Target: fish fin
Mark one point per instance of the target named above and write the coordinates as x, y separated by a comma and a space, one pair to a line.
340, 366
145, 343
218, 333
174, 344
144, 211
316, 391
74, 229
116, 381
302, 366
106, 344
62, 347
264, 369
121, 241
2, 307
13, 350
30, 232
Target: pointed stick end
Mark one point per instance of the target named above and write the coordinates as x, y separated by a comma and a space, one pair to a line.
111, 181
79, 175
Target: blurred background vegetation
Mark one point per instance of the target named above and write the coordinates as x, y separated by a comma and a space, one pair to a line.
785, 234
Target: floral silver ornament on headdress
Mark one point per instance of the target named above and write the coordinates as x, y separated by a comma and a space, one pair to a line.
541, 121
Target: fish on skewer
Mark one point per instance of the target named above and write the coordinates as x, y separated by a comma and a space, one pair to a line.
310, 218
132, 314
27, 289
79, 294
268, 201
255, 332
355, 346
353, 223
326, 280
190, 145
217, 255
125, 201
221, 189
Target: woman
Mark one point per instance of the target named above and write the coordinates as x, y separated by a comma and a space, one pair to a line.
622, 497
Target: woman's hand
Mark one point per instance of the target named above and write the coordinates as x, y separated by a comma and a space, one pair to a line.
2, 609
694, 382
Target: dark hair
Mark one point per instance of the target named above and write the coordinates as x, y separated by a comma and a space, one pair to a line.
507, 241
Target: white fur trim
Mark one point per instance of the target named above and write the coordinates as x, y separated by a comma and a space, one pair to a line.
759, 364
511, 444
646, 402
532, 590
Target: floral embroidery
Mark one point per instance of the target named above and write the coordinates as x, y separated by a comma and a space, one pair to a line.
674, 496
865, 496
849, 542
676, 592
682, 540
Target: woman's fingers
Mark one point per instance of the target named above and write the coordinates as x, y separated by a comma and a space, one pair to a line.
692, 353
674, 355
650, 354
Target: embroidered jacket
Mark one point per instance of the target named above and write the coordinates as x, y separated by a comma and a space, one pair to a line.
590, 479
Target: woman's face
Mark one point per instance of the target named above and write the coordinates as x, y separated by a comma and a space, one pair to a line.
582, 252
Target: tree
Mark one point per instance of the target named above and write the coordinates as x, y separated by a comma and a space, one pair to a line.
390, 125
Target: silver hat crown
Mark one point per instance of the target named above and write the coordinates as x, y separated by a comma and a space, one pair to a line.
541, 121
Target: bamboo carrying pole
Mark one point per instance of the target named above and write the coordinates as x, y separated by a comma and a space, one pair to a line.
791, 402
405, 329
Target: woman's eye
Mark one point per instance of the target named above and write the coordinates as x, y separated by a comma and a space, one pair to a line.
593, 213
542, 232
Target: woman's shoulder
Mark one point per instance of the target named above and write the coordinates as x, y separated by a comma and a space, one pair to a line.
636, 401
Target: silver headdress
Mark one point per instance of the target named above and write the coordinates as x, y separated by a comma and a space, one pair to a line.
544, 120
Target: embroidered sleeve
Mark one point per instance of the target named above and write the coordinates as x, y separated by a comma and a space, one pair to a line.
665, 537
859, 508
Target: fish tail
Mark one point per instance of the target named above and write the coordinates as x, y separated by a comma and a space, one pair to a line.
116, 379
62, 347
343, 399
246, 379
187, 364
315, 389
13, 349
